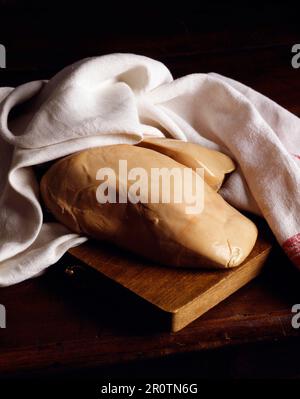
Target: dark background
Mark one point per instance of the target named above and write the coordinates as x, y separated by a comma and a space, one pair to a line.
245, 40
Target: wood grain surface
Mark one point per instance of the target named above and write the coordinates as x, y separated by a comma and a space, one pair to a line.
182, 294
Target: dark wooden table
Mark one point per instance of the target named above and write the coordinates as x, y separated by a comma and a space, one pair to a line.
85, 325
58, 324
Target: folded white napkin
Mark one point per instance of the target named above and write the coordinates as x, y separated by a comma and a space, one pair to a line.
119, 98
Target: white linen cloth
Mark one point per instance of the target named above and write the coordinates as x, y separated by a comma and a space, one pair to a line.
119, 98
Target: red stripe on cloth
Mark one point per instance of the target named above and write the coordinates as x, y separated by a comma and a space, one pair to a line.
292, 248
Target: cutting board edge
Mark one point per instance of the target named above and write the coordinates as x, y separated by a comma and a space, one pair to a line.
179, 318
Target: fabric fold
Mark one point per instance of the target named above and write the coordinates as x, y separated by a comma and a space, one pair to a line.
120, 98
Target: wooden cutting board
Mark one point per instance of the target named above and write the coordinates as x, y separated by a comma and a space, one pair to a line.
182, 294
